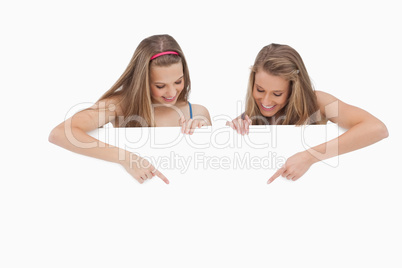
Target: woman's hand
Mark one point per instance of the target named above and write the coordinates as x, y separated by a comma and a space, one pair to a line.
240, 125
188, 127
141, 169
295, 166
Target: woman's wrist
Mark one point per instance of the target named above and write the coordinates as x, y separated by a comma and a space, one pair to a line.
124, 157
309, 156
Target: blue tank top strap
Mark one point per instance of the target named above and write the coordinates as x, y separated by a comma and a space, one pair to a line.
191, 110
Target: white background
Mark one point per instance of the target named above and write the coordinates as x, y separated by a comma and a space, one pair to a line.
59, 209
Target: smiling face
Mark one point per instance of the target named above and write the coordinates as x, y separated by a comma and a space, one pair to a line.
166, 83
270, 92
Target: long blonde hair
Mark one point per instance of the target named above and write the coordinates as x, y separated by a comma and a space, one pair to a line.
284, 61
133, 85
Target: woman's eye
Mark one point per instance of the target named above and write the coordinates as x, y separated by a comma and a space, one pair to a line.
179, 82
278, 95
160, 87
259, 90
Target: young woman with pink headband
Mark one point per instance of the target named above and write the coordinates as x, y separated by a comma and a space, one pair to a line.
280, 93
153, 91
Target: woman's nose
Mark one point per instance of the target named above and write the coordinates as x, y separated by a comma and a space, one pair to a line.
171, 91
266, 99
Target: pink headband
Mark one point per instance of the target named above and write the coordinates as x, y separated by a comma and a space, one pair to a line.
163, 53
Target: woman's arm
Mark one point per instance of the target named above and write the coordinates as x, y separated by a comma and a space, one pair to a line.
363, 129
72, 135
201, 118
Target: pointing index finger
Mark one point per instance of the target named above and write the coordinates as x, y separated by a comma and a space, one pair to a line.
276, 175
161, 176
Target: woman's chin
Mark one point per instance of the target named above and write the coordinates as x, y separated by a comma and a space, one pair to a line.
267, 113
163, 102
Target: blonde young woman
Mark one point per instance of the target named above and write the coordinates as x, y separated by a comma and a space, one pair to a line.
152, 92
280, 93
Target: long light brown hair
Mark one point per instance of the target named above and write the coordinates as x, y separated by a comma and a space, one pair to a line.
133, 85
284, 61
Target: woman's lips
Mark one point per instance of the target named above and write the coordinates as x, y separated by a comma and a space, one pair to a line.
169, 99
267, 108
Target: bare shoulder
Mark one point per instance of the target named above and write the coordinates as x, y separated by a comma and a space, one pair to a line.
113, 104
99, 114
324, 98
337, 111
201, 112
199, 109
327, 103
